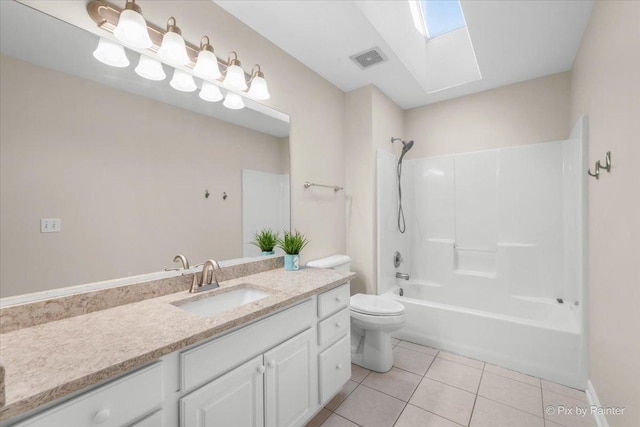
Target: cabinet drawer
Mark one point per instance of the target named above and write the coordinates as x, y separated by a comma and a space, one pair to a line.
335, 368
332, 327
333, 300
206, 362
112, 405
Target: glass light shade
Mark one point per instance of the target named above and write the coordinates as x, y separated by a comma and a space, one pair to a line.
233, 101
234, 79
183, 81
150, 69
207, 66
111, 53
258, 89
210, 92
173, 49
132, 30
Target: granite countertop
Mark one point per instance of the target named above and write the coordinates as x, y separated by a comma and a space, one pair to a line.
51, 360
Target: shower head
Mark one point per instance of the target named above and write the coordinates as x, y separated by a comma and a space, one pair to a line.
406, 146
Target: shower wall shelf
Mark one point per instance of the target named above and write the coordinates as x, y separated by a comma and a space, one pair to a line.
607, 166
311, 184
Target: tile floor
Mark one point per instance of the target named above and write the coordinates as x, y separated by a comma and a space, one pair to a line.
427, 387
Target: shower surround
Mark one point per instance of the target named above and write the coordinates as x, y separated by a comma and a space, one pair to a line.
495, 247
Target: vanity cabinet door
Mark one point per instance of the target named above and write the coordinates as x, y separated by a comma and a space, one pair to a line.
291, 381
234, 399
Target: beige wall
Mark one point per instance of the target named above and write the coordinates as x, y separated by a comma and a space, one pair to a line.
359, 176
125, 174
523, 113
371, 120
606, 86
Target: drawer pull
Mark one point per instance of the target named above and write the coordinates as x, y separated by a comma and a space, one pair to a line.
339, 366
338, 324
272, 364
261, 369
101, 416
338, 300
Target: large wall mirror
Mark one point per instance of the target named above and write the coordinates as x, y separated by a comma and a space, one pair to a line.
135, 171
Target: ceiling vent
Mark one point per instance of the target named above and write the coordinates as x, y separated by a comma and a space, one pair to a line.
369, 58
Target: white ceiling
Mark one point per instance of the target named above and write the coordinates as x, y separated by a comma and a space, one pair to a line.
513, 41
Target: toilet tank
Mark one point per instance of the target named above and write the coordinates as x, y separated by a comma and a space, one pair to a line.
336, 262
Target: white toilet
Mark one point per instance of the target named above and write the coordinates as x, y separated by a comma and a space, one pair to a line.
373, 319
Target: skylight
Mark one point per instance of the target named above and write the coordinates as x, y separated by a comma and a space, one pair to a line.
433, 18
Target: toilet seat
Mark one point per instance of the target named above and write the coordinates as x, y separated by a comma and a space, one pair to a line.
375, 305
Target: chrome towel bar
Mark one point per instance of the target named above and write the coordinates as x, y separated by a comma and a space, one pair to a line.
311, 184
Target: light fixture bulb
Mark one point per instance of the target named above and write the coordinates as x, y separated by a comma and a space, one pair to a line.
234, 78
173, 49
233, 101
150, 69
207, 63
258, 89
210, 92
132, 28
183, 81
111, 53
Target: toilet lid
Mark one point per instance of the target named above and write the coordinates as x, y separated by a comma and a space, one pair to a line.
375, 305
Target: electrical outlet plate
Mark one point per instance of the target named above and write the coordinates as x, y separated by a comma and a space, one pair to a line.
50, 225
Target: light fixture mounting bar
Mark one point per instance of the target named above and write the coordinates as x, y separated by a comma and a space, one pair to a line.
106, 16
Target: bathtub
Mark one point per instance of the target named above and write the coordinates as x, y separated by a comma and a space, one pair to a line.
534, 336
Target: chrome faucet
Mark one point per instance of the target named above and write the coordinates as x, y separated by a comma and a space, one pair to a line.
179, 258
206, 282
404, 276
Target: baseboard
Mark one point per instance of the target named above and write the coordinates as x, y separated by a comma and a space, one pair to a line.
592, 397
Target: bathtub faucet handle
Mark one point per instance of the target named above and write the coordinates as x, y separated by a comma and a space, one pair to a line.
404, 276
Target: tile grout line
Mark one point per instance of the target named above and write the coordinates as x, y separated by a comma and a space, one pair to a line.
475, 400
426, 410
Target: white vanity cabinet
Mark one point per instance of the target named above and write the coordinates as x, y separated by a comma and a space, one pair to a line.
276, 389
277, 371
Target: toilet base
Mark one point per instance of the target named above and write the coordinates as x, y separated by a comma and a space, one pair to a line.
372, 351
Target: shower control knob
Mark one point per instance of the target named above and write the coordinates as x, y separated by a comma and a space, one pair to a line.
397, 259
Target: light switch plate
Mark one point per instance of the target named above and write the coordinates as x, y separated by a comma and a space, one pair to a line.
50, 225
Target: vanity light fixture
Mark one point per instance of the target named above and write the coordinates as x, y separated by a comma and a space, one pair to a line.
111, 53
183, 81
207, 63
233, 101
173, 49
132, 28
258, 89
150, 69
187, 59
210, 92
234, 79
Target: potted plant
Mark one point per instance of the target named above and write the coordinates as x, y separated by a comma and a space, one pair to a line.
266, 240
292, 243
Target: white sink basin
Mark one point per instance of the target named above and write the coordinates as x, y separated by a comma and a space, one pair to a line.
219, 302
